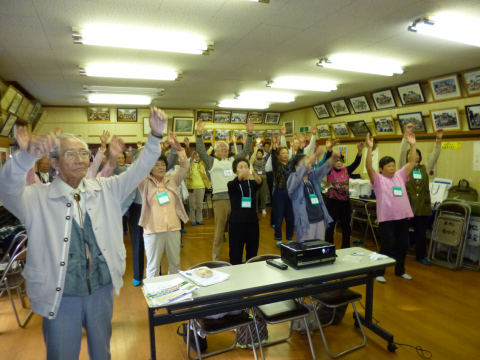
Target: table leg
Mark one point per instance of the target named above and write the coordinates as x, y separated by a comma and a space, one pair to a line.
151, 324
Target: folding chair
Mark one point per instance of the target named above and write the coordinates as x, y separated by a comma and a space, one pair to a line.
359, 214
371, 209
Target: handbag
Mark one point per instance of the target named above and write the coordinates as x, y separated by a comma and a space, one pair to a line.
243, 337
463, 191
202, 342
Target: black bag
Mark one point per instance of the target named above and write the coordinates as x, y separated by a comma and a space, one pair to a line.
201, 341
463, 191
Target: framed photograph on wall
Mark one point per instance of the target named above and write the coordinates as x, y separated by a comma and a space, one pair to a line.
384, 125
340, 107
239, 134
204, 115
256, 116
321, 111
269, 133
98, 114
473, 116
416, 118
207, 135
471, 79
445, 88
8, 97
360, 104
15, 103
272, 118
324, 131
258, 134
384, 99
221, 134
8, 125
446, 119
359, 128
127, 115
21, 109
340, 130
239, 117
222, 117
290, 126
411, 94
183, 125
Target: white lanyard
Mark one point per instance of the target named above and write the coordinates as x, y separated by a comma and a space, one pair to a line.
249, 190
308, 187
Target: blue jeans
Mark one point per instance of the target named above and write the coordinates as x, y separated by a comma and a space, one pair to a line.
283, 210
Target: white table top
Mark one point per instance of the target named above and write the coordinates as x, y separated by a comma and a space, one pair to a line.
261, 275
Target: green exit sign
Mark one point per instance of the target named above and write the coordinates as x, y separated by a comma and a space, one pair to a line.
304, 129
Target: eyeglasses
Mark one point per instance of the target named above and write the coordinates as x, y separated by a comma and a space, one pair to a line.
84, 154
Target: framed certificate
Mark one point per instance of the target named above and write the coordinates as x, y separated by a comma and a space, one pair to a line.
15, 103
7, 127
8, 97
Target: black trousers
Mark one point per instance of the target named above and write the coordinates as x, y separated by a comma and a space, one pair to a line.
270, 191
339, 210
138, 246
243, 235
420, 225
394, 243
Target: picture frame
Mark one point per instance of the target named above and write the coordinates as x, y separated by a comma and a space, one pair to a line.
256, 117
360, 104
258, 133
411, 94
207, 135
445, 88
416, 118
321, 111
446, 119
384, 125
222, 117
8, 97
272, 118
21, 109
290, 126
269, 133
359, 128
340, 129
221, 134
324, 131
183, 125
126, 115
147, 129
239, 134
98, 114
340, 107
471, 80
4, 156
384, 99
8, 125
29, 110
15, 103
473, 116
204, 115
239, 117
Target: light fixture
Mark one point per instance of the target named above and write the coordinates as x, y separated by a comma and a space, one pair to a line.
449, 26
243, 104
265, 96
129, 72
362, 64
88, 89
302, 84
141, 38
261, 1
119, 99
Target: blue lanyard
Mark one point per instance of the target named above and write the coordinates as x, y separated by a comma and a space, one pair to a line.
287, 173
249, 189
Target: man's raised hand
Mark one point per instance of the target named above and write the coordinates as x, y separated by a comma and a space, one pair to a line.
158, 121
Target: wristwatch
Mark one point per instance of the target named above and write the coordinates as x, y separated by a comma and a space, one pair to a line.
158, 137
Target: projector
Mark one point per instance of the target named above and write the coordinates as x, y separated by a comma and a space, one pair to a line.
307, 253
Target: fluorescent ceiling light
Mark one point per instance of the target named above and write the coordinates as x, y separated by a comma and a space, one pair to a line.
261, 1
129, 71
449, 26
266, 96
302, 84
243, 104
362, 64
119, 99
94, 89
141, 38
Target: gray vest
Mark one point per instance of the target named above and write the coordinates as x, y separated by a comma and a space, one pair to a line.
81, 279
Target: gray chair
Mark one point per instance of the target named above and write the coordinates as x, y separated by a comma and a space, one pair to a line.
371, 209
215, 326
343, 298
359, 214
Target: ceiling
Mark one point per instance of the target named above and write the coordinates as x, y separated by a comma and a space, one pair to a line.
254, 42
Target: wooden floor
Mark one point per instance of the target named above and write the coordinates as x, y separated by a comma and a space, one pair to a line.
437, 310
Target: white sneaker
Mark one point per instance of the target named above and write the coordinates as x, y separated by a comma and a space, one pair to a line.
381, 279
264, 212
406, 277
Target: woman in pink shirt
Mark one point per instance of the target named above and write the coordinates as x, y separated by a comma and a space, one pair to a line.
393, 206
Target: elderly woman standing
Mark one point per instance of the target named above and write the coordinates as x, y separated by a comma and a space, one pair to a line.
197, 181
258, 163
162, 211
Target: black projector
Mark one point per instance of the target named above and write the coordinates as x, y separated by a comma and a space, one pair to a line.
308, 253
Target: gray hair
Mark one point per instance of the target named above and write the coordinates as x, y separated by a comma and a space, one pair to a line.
55, 153
137, 153
218, 143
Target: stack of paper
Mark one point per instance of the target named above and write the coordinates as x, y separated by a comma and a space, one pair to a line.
215, 278
168, 292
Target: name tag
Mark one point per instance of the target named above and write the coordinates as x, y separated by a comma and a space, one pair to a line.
228, 172
260, 172
163, 198
417, 175
397, 191
314, 199
246, 203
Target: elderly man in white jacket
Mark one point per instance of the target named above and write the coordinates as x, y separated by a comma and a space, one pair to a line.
76, 256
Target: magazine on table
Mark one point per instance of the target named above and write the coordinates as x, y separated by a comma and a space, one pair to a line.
168, 292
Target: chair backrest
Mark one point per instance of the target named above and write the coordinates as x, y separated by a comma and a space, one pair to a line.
358, 206
211, 264
371, 208
263, 258
16, 240
15, 264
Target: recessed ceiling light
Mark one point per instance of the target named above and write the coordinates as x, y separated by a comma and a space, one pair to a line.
303, 84
243, 104
129, 71
362, 64
141, 38
266, 96
119, 99
449, 26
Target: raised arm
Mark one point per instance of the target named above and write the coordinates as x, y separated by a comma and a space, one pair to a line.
436, 152
188, 152
412, 155
404, 146
248, 145
368, 161
176, 148
353, 166
283, 141
206, 158
180, 174
310, 149
116, 147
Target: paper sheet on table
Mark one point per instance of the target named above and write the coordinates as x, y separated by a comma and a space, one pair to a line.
351, 258
377, 256
215, 278
168, 292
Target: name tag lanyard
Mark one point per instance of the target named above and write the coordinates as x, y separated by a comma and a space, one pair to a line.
311, 194
162, 197
249, 199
